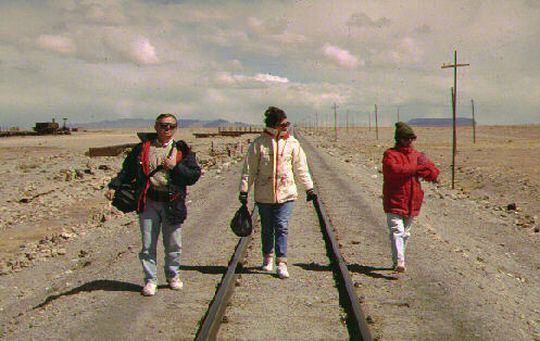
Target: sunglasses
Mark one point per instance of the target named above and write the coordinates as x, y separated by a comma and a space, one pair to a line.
167, 125
284, 125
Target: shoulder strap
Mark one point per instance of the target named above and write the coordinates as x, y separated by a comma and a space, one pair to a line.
160, 167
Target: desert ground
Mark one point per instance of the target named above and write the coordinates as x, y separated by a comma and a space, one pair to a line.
474, 260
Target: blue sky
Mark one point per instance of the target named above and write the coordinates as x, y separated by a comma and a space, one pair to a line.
95, 60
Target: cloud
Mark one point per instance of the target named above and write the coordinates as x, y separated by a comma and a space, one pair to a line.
56, 43
267, 78
257, 81
363, 20
132, 47
343, 57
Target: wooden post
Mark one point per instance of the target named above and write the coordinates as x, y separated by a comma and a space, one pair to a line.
473, 123
347, 121
398, 113
369, 119
454, 142
454, 108
376, 124
335, 121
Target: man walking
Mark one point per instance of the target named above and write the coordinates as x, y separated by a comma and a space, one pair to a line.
161, 197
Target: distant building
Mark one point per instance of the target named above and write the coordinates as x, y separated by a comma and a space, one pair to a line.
440, 122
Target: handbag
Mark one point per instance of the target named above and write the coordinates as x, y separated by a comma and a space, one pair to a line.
241, 223
125, 198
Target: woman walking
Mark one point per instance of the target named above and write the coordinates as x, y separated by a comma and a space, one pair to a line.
403, 167
272, 161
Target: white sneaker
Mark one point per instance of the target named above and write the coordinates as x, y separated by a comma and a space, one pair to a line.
149, 289
282, 271
400, 267
268, 264
175, 283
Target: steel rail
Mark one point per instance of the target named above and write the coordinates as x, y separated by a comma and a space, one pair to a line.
356, 321
212, 321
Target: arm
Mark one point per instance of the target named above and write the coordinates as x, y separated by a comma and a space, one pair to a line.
127, 173
301, 168
187, 172
393, 166
250, 169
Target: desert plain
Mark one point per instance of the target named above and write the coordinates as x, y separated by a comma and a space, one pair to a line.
479, 239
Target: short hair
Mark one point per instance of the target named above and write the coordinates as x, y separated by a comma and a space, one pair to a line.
161, 116
273, 116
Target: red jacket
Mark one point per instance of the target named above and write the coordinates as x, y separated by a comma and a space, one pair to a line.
403, 194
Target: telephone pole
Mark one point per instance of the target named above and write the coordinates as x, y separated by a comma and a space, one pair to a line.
376, 124
335, 120
454, 108
473, 123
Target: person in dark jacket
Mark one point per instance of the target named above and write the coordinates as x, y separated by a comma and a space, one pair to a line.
161, 197
403, 167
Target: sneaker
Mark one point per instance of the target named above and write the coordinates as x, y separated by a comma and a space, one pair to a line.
268, 264
400, 267
149, 289
175, 283
282, 271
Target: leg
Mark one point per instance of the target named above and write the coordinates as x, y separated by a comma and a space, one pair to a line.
281, 225
396, 231
172, 244
407, 224
149, 221
266, 211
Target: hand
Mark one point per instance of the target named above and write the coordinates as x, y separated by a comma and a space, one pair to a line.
422, 159
310, 195
109, 194
243, 198
169, 162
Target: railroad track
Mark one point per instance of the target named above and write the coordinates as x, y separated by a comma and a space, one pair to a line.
354, 318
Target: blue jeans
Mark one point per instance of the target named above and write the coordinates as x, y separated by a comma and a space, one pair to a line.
152, 221
275, 229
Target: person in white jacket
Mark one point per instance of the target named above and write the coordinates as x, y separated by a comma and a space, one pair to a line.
272, 161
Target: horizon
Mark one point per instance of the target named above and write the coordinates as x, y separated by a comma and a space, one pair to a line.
94, 61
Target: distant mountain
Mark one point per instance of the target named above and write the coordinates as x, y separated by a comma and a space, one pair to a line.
444, 122
145, 123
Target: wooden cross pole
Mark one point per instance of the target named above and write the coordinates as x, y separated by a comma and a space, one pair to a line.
335, 121
454, 108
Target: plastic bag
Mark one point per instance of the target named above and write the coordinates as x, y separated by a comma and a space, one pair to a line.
241, 223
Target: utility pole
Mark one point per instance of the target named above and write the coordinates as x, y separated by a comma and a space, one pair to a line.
473, 123
376, 124
369, 119
398, 113
347, 121
335, 120
454, 108
316, 120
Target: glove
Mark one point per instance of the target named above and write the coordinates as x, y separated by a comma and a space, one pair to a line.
242, 197
310, 195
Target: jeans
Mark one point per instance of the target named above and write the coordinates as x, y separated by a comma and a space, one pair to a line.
399, 229
275, 229
152, 221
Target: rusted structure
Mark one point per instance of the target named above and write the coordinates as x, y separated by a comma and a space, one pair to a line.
51, 128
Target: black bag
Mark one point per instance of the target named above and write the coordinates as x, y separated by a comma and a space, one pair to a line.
241, 223
125, 198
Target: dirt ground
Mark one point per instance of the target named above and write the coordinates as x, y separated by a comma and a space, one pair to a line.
473, 269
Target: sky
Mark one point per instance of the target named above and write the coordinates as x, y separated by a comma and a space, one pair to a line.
92, 60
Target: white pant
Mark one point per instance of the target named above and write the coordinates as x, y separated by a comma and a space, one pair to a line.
399, 230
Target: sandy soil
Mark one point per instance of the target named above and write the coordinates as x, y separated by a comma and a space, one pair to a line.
67, 259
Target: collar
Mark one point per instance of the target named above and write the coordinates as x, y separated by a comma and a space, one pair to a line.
166, 144
274, 133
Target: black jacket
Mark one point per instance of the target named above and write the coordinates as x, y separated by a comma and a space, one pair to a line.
185, 173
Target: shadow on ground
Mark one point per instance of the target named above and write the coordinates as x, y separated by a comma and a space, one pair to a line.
101, 284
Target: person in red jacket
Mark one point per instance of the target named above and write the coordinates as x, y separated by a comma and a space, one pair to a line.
403, 167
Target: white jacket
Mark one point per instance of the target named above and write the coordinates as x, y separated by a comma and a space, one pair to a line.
271, 163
